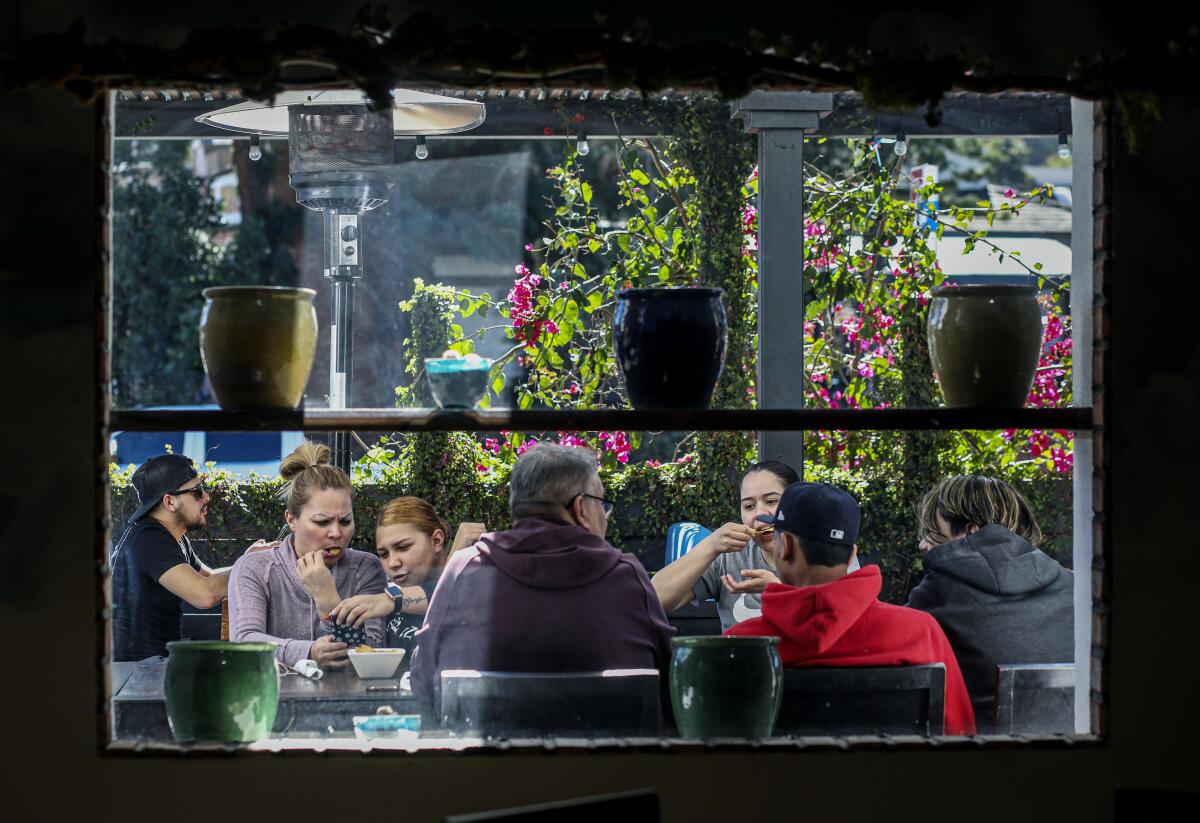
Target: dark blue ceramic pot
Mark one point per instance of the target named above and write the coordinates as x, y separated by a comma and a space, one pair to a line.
670, 345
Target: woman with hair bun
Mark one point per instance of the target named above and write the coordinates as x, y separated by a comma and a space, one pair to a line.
284, 595
410, 539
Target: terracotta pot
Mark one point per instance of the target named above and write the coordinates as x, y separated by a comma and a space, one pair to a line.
726, 686
984, 342
670, 345
257, 344
219, 691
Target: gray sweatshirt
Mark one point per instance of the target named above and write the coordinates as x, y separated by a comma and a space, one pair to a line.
267, 602
999, 600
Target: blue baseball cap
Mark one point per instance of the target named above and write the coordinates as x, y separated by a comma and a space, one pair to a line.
819, 511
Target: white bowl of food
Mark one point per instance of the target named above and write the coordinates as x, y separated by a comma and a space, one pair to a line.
372, 663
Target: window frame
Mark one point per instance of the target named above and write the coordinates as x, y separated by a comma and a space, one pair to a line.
1091, 236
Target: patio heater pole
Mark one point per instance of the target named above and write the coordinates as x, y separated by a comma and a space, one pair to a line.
781, 119
344, 266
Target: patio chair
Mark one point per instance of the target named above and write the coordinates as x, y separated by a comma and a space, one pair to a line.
640, 804
681, 538
1036, 698
201, 624
613, 703
890, 700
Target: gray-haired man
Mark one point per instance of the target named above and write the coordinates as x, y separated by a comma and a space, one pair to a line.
548, 595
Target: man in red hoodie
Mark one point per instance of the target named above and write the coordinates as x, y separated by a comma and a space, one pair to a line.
828, 618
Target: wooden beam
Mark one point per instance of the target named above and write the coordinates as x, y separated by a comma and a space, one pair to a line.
776, 420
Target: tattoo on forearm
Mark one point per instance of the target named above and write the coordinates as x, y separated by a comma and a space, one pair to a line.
412, 601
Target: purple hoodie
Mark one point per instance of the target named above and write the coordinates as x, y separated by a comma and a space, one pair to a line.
545, 596
268, 603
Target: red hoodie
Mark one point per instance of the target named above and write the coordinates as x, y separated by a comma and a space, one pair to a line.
843, 624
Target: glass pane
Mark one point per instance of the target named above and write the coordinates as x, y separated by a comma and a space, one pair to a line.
137, 447
225, 447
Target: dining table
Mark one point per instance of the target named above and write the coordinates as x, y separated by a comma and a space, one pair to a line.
307, 707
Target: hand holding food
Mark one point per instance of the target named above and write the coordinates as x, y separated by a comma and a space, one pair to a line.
732, 537
317, 580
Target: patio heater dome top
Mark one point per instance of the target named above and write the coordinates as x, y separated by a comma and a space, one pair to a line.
413, 112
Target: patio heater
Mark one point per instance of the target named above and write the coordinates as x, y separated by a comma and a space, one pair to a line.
340, 163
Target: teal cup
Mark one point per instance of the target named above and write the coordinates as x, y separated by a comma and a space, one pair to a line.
726, 686
221, 692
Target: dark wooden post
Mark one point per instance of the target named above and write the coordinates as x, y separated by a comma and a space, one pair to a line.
781, 119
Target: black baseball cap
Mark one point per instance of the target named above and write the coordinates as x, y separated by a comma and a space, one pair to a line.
819, 511
160, 475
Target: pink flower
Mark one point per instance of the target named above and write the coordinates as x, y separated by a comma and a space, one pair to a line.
570, 439
1009, 193
528, 247
652, 463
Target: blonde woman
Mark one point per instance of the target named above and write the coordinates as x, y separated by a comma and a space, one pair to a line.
284, 595
410, 539
998, 597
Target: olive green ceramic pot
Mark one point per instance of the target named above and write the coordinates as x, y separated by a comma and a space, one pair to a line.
221, 691
726, 686
984, 342
257, 344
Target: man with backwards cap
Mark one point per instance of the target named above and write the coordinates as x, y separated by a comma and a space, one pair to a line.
154, 567
827, 617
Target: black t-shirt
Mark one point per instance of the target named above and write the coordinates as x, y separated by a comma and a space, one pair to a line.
146, 616
400, 627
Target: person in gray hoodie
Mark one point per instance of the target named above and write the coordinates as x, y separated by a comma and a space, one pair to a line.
548, 595
999, 599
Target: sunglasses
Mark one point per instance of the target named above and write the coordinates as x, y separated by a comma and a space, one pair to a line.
199, 491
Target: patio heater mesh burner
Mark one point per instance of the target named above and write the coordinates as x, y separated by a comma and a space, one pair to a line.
339, 163
340, 157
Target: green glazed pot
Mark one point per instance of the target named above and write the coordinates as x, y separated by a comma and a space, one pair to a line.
221, 691
726, 686
984, 343
257, 344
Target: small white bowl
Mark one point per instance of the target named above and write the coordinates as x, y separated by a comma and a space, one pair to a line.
379, 663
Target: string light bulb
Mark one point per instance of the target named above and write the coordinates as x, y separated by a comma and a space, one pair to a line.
581, 145
255, 147
1064, 148
900, 146
422, 149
